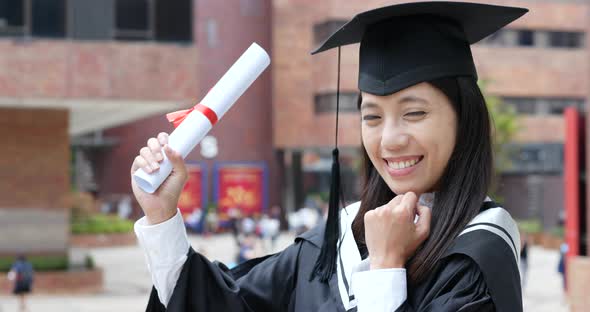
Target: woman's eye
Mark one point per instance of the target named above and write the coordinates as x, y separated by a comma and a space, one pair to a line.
370, 117
416, 114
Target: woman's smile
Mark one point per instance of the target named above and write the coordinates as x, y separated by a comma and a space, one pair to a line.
402, 166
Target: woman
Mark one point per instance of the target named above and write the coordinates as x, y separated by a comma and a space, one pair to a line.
424, 236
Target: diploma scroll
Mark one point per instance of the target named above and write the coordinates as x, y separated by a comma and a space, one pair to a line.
197, 124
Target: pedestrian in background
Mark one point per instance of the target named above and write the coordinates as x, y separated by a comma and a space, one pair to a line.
21, 274
249, 244
269, 231
561, 267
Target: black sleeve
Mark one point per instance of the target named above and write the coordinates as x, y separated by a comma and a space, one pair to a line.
263, 284
458, 285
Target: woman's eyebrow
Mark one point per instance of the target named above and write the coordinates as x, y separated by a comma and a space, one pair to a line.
366, 105
413, 98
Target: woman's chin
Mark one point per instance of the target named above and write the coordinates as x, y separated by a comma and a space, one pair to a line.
402, 188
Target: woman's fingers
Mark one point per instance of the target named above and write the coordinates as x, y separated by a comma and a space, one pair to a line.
177, 161
408, 203
163, 138
423, 224
396, 200
149, 157
410, 199
156, 149
140, 163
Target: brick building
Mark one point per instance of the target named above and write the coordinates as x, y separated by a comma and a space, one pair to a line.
538, 64
84, 84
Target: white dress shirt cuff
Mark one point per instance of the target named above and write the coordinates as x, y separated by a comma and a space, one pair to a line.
382, 290
165, 247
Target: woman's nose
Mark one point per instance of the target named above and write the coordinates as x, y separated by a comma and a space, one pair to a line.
394, 138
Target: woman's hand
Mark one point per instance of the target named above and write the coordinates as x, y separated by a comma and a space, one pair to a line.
161, 205
391, 234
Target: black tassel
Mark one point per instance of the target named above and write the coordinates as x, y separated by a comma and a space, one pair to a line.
325, 264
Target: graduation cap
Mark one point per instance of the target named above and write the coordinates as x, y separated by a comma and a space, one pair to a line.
400, 46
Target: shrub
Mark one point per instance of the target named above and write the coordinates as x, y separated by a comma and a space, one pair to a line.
101, 224
558, 231
40, 263
530, 226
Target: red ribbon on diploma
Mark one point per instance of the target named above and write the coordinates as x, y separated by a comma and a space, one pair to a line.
178, 117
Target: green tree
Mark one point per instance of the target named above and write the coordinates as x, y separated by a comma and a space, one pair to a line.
504, 127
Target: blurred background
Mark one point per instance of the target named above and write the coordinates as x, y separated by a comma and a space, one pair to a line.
85, 83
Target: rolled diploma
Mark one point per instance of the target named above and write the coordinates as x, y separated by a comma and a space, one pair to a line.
220, 99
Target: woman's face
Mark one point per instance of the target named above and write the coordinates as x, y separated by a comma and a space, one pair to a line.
409, 136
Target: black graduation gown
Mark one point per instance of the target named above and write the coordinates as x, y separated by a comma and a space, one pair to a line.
478, 273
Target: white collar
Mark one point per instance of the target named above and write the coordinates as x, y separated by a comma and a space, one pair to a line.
349, 258
348, 254
493, 218
427, 199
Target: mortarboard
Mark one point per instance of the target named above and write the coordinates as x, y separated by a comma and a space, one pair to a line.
402, 45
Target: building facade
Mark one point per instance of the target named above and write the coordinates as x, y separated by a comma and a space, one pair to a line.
84, 84
538, 65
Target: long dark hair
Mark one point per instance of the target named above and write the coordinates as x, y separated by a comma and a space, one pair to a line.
461, 188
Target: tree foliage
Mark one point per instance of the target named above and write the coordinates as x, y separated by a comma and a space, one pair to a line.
504, 127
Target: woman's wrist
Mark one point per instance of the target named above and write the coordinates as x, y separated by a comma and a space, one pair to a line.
390, 263
160, 216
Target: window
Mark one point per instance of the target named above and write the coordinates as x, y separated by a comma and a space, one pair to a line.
91, 19
535, 158
174, 20
526, 38
557, 106
325, 103
544, 106
12, 17
160, 20
38, 18
521, 105
133, 20
322, 31
503, 37
536, 38
49, 18
564, 39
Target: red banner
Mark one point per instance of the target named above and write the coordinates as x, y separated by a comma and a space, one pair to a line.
241, 187
190, 198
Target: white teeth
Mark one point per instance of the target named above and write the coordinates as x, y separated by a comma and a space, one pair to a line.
402, 164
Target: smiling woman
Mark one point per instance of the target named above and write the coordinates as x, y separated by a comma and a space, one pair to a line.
424, 236
443, 126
